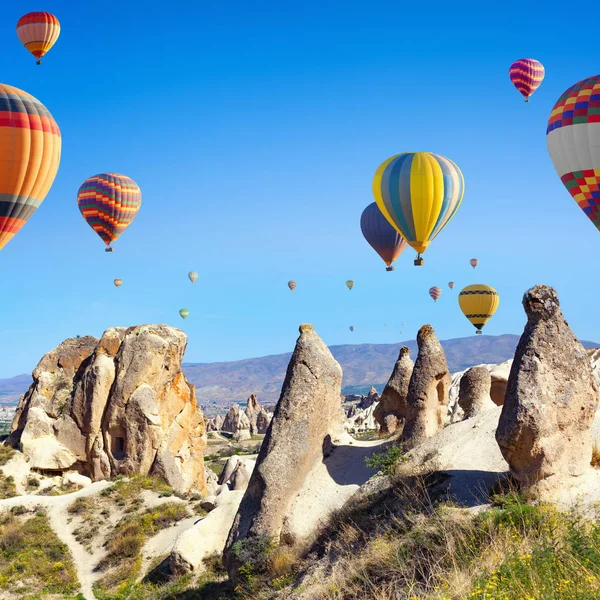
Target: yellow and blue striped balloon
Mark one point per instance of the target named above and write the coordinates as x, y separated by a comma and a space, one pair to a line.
418, 193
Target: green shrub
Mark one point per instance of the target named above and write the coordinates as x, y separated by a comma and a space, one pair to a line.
386, 461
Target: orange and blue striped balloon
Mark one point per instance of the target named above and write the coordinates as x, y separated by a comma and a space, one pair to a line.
527, 75
38, 32
109, 202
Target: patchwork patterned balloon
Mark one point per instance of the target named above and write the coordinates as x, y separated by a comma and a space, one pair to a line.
435, 292
573, 139
527, 75
109, 203
38, 32
30, 147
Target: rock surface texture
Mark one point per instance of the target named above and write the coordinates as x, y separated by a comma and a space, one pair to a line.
544, 431
427, 398
474, 391
391, 410
115, 406
306, 419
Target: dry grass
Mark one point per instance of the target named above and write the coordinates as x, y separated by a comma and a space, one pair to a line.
6, 453
595, 457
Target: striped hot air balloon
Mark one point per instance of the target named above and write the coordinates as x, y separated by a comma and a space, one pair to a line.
109, 203
193, 276
473, 262
184, 313
30, 147
118, 282
435, 292
526, 74
349, 284
451, 285
573, 139
382, 237
478, 303
292, 285
38, 32
419, 194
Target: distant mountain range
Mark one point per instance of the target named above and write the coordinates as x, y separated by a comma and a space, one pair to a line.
364, 365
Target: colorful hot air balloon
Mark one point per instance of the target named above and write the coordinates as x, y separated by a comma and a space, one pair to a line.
573, 139
118, 282
478, 303
435, 292
351, 327
451, 285
350, 284
38, 32
418, 193
526, 74
109, 203
30, 146
473, 262
184, 312
292, 285
382, 237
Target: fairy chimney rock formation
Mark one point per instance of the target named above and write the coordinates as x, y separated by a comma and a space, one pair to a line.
427, 398
114, 406
474, 391
306, 419
544, 431
391, 410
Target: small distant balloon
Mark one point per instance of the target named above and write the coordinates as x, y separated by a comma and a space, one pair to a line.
350, 284
527, 75
478, 303
38, 32
351, 327
193, 276
451, 285
118, 282
473, 262
435, 292
403, 323
292, 285
184, 313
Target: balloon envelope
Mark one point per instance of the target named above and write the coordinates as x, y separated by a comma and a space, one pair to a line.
109, 203
473, 262
451, 284
419, 194
30, 147
292, 285
193, 276
527, 75
38, 32
351, 327
118, 282
478, 303
184, 312
350, 284
435, 292
573, 139
382, 237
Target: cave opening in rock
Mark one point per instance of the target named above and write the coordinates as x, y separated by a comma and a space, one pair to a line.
118, 449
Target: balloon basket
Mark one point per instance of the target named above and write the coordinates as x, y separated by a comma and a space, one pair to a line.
109, 249
478, 333
419, 262
389, 268
38, 62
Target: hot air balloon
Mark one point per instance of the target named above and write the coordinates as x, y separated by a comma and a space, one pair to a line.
109, 203
478, 303
473, 262
38, 32
30, 146
382, 237
573, 139
350, 284
118, 282
451, 285
418, 193
435, 292
351, 327
193, 276
292, 285
184, 312
526, 74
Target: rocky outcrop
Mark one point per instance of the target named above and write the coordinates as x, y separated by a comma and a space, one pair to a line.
474, 392
369, 399
237, 422
258, 417
115, 406
362, 420
306, 419
544, 431
391, 410
427, 398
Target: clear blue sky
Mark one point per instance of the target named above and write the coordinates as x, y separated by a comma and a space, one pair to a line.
254, 130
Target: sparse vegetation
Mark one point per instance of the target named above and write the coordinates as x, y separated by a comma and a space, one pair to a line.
33, 561
6, 453
387, 460
128, 489
595, 457
7, 487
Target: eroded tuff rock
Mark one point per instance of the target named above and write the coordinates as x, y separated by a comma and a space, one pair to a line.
237, 422
306, 418
474, 391
544, 431
391, 410
369, 399
258, 417
427, 398
118, 405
